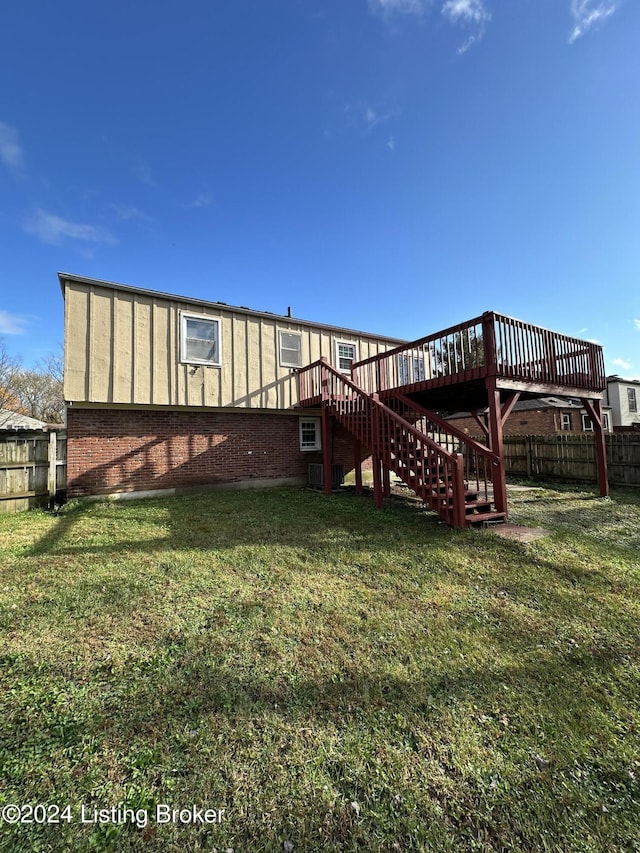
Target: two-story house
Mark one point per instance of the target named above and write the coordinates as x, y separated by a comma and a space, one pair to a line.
165, 392
623, 396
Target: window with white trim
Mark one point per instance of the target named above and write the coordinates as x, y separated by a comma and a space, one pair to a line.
290, 349
566, 421
346, 354
310, 434
631, 396
587, 423
199, 339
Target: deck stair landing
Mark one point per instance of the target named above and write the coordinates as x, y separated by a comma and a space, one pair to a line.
453, 481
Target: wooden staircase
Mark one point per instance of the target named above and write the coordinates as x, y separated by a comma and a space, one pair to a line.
452, 478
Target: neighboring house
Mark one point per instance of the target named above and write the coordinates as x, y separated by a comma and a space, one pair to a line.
15, 422
165, 392
623, 397
543, 416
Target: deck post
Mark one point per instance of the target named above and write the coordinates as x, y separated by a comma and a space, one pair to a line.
496, 444
326, 450
375, 453
357, 464
489, 343
594, 410
378, 497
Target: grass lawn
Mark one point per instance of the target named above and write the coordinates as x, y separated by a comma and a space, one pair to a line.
333, 677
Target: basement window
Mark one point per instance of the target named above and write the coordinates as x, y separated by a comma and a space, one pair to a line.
199, 340
310, 435
290, 349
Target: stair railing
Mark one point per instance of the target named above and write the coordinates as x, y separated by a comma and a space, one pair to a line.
480, 464
434, 473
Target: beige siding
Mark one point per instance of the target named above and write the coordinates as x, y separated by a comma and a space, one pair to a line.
124, 347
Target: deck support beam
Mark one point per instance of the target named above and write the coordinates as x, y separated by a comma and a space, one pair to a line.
507, 406
378, 496
326, 450
594, 410
481, 419
496, 445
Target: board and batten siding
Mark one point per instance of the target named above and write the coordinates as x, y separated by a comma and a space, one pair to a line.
123, 347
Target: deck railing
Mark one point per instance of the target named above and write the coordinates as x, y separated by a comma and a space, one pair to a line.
490, 345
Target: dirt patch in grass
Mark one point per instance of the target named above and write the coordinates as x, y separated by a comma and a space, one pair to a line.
520, 533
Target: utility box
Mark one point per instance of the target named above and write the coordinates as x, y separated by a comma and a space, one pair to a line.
316, 476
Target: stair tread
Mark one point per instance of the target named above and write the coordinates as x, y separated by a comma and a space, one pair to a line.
486, 516
473, 510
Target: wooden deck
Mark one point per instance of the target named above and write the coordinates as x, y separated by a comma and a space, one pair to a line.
485, 364
449, 369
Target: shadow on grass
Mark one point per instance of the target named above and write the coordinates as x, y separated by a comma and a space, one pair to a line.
226, 672
213, 521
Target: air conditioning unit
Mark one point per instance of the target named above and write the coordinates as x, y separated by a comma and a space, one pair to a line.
316, 476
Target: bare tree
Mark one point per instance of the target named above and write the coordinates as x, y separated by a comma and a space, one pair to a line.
9, 369
34, 392
39, 395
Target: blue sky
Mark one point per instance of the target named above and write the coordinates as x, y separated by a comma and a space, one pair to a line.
394, 166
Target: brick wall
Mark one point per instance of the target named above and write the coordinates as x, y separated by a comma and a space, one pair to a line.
529, 422
119, 450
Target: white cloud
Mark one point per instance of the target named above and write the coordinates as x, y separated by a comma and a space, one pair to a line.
467, 13
391, 143
128, 213
201, 200
10, 151
620, 362
53, 230
12, 324
472, 14
363, 115
636, 323
401, 7
587, 14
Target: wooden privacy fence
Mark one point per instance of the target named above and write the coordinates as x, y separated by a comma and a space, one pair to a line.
33, 468
573, 457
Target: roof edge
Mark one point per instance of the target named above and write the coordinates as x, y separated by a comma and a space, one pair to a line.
240, 309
